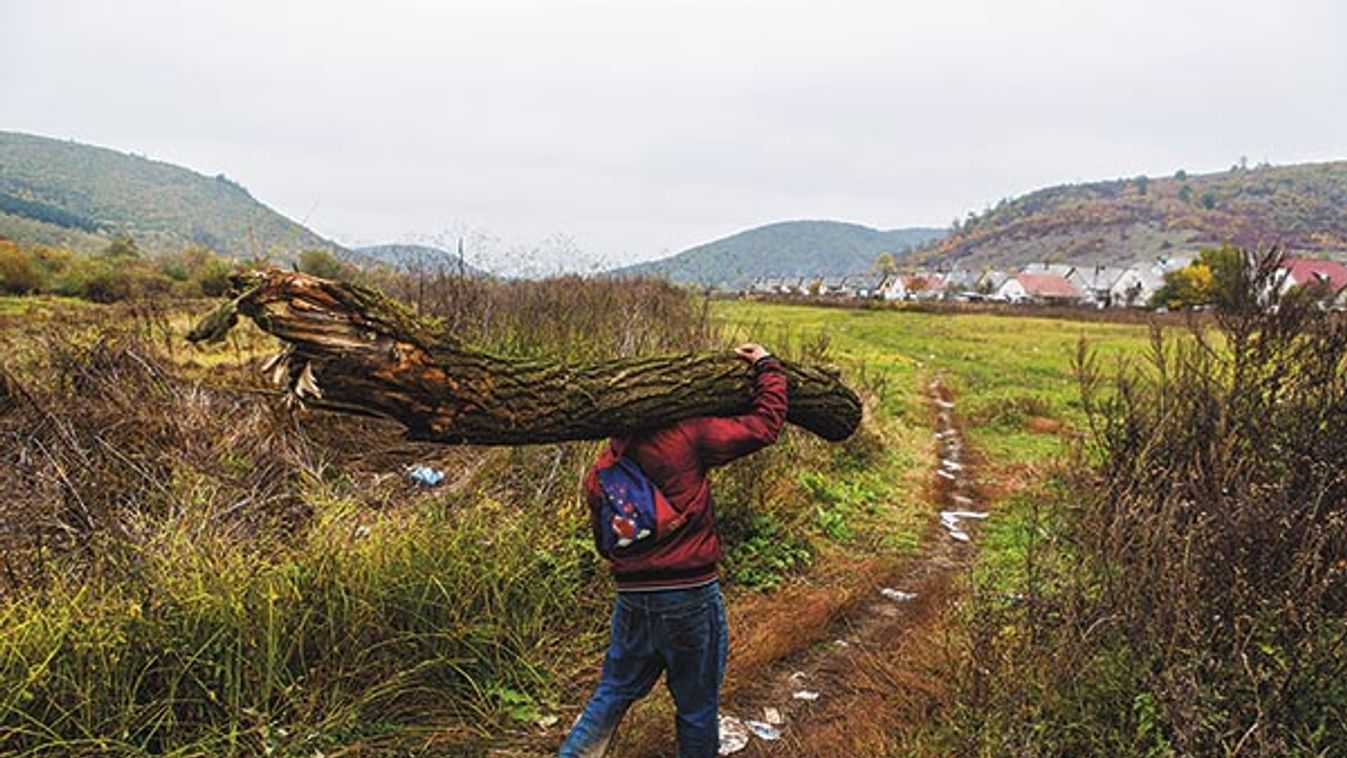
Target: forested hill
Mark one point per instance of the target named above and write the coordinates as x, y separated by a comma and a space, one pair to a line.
64, 193
1303, 207
787, 248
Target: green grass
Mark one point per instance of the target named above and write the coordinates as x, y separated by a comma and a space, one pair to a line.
39, 306
1002, 369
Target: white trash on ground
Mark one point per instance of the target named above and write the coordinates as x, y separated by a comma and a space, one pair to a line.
733, 735
806, 695
772, 716
897, 596
763, 730
951, 520
425, 475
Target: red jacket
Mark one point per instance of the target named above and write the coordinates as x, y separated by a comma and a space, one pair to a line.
676, 459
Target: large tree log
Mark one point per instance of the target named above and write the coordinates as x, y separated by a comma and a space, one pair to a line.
354, 350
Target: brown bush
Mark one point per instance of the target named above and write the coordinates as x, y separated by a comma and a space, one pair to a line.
1183, 591
574, 317
1219, 531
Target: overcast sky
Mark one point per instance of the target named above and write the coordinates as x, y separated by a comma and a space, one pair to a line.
633, 129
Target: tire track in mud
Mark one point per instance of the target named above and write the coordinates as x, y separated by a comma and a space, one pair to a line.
848, 696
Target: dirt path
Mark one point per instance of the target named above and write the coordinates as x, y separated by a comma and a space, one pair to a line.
861, 642
851, 695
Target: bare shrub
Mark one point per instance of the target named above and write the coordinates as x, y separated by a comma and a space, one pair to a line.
1184, 582
1218, 534
104, 440
573, 317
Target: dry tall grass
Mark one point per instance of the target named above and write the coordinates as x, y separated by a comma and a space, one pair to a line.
187, 567
1185, 595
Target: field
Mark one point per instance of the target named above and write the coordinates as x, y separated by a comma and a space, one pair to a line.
192, 569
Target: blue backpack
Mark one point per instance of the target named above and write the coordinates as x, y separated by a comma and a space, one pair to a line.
629, 514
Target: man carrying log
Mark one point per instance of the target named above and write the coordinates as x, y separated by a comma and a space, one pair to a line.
669, 615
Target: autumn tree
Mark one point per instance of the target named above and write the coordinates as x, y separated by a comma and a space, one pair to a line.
1189, 286
123, 246
19, 273
885, 264
1228, 270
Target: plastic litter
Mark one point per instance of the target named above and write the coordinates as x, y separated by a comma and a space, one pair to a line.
798, 676
763, 730
945, 404
806, 695
772, 716
951, 519
898, 596
547, 722
942, 472
733, 735
425, 475
951, 464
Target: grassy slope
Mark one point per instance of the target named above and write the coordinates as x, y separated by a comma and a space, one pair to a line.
1301, 206
65, 193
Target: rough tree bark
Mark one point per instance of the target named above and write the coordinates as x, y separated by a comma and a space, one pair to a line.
354, 350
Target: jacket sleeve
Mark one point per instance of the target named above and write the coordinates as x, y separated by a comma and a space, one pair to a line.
722, 439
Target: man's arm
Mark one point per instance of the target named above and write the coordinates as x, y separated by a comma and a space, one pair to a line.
721, 440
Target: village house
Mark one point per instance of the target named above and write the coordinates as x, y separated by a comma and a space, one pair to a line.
918, 286
1063, 270
990, 281
960, 281
1040, 288
1096, 283
891, 288
862, 286
925, 285
1327, 278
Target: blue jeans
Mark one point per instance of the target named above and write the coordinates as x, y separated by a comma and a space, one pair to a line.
682, 633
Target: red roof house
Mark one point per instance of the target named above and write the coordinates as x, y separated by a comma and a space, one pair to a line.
1040, 288
1302, 272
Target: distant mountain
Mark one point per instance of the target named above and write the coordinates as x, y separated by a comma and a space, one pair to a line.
413, 258
64, 193
787, 248
1303, 207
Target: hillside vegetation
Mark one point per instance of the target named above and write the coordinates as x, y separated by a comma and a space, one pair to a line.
787, 248
66, 194
1303, 207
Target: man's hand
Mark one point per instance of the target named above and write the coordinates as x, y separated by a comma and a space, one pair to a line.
751, 352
